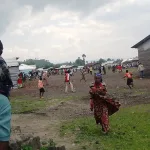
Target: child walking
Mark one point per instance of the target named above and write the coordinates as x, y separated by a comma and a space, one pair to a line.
41, 87
20, 82
128, 75
83, 75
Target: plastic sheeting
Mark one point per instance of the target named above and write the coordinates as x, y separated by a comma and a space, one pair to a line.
23, 67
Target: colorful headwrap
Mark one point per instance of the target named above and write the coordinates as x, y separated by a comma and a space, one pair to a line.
98, 75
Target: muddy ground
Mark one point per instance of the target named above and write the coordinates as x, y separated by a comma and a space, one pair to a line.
46, 122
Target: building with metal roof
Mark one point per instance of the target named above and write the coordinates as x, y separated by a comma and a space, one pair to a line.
144, 53
13, 65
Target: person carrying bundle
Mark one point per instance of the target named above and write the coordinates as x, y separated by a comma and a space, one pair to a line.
101, 104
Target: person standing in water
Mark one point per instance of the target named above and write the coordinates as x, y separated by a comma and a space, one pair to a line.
5, 107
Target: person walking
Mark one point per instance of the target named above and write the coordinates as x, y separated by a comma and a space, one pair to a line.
45, 78
128, 75
113, 68
5, 107
68, 82
119, 67
100, 69
91, 70
41, 87
20, 81
102, 105
104, 70
83, 73
141, 70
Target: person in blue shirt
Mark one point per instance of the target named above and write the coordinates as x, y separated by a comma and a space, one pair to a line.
5, 107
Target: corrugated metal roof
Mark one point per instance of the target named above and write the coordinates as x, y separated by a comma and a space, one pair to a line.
141, 42
14, 71
12, 62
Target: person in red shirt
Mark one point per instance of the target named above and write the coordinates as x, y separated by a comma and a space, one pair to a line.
20, 82
119, 68
68, 82
128, 75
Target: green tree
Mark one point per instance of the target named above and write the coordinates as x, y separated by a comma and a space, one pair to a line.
101, 60
109, 59
41, 63
79, 62
118, 61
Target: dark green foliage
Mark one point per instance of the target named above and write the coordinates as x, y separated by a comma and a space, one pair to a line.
40, 63
101, 60
79, 62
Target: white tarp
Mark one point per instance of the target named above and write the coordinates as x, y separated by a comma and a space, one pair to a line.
127, 60
40, 69
108, 63
26, 67
65, 66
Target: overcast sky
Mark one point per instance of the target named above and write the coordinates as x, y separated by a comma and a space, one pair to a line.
62, 30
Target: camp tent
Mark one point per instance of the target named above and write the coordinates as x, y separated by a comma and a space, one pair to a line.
23, 67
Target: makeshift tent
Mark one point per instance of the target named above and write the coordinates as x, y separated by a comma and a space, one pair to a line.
23, 67
125, 61
108, 63
26, 68
40, 69
65, 67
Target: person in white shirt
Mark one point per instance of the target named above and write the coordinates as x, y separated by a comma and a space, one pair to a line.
44, 77
141, 70
68, 82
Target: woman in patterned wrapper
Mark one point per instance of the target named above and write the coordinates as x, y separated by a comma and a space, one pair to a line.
102, 105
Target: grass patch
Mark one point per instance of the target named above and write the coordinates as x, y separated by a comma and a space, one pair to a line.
30, 148
130, 130
50, 145
29, 104
130, 93
26, 105
62, 99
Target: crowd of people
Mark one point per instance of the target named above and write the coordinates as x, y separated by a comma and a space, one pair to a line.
100, 102
71, 71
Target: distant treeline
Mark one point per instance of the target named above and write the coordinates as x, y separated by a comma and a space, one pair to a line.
42, 63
